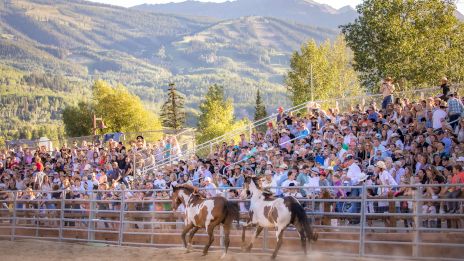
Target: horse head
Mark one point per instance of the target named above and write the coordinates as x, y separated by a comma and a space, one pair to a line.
249, 186
181, 193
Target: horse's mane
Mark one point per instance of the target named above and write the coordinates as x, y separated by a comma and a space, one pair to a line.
188, 187
255, 179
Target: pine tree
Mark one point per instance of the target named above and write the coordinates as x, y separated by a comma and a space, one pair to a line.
172, 112
260, 108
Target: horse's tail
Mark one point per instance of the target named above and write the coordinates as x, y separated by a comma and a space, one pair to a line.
300, 216
232, 213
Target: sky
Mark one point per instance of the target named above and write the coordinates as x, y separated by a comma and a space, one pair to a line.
334, 3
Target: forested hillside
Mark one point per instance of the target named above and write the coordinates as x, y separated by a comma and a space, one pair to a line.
32, 103
145, 50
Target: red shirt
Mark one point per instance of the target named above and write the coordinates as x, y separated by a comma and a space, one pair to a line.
39, 166
457, 179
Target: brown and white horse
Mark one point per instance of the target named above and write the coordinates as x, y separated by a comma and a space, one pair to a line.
206, 213
272, 212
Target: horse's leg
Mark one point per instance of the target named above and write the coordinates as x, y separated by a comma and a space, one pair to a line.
257, 232
248, 224
226, 239
187, 228
210, 230
192, 233
279, 235
301, 231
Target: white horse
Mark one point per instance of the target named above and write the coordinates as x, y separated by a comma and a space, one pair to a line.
266, 211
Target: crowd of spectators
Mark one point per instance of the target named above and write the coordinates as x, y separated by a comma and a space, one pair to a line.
301, 154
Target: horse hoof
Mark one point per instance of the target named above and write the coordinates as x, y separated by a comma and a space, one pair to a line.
273, 257
223, 255
315, 236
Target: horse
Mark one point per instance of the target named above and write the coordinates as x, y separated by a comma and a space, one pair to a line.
268, 211
205, 213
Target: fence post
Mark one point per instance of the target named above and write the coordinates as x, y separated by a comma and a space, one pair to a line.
91, 227
265, 239
13, 229
61, 215
417, 221
121, 219
362, 221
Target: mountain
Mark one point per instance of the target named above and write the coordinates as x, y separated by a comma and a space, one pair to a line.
302, 11
83, 41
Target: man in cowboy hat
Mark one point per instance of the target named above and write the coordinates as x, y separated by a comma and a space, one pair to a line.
384, 176
387, 88
445, 88
269, 182
209, 187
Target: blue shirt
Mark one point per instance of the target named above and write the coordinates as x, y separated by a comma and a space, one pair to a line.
319, 159
239, 182
373, 116
447, 142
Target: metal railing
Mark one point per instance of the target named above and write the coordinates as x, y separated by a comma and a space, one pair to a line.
120, 218
343, 104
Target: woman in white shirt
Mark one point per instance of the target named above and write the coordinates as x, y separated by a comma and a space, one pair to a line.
386, 179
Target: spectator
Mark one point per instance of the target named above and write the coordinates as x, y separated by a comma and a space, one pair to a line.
387, 90
445, 88
455, 110
439, 115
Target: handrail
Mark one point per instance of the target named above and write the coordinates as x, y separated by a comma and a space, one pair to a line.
188, 153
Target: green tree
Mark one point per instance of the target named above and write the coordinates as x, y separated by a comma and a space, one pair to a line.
78, 119
328, 67
416, 42
260, 108
217, 115
172, 112
121, 110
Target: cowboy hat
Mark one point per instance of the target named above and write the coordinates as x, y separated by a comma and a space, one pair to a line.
381, 164
363, 177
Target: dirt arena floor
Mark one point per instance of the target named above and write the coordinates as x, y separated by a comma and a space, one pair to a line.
35, 250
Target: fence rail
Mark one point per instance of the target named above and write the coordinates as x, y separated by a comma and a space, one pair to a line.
123, 219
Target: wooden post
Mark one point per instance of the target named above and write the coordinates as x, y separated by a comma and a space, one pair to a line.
391, 209
326, 206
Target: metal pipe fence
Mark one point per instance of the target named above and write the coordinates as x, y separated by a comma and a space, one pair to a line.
356, 226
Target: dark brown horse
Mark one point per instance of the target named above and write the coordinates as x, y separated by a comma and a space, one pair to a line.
206, 213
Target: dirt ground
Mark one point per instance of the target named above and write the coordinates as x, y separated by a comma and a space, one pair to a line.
36, 250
